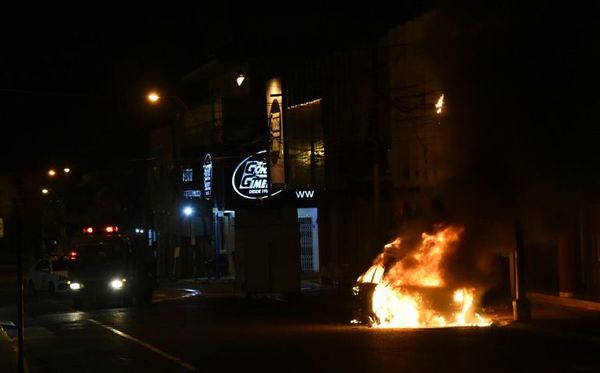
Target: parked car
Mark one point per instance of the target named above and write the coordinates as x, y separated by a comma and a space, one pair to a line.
49, 274
8, 355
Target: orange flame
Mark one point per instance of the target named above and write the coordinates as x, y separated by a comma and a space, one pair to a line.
413, 292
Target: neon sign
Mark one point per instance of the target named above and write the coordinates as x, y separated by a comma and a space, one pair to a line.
192, 193
305, 194
250, 177
207, 167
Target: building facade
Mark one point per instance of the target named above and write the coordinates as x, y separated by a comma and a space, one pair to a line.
314, 161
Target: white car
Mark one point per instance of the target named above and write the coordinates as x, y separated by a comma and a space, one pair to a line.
49, 274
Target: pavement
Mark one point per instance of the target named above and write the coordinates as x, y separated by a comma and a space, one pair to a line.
566, 318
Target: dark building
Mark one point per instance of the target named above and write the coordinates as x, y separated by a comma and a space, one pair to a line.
322, 154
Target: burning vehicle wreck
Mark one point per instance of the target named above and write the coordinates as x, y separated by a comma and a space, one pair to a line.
406, 287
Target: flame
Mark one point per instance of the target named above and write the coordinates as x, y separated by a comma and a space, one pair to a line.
412, 293
439, 105
421, 267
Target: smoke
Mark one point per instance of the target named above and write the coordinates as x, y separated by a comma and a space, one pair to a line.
520, 84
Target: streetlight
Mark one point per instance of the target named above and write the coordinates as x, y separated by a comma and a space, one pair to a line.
240, 79
52, 172
153, 97
57, 189
188, 211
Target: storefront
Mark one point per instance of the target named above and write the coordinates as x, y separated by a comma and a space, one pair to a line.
264, 237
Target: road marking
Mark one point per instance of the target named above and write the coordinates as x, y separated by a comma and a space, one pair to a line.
148, 346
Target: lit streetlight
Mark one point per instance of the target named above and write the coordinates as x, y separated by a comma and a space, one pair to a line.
153, 97
45, 191
188, 211
240, 79
51, 172
66, 170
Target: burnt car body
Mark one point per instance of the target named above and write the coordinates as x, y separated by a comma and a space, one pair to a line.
362, 305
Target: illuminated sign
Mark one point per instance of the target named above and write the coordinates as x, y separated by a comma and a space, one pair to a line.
275, 123
192, 193
187, 175
250, 177
305, 194
207, 167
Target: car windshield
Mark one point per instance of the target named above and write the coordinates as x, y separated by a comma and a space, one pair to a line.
97, 256
60, 264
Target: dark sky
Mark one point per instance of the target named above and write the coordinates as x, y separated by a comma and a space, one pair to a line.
73, 80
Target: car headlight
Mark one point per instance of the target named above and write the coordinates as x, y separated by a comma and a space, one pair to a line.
116, 284
75, 285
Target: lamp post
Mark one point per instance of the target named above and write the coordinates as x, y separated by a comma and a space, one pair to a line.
56, 193
155, 98
188, 212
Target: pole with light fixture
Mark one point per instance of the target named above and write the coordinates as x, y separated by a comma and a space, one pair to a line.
188, 211
57, 195
18, 202
155, 98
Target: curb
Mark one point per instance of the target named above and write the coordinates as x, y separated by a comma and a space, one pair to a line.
568, 302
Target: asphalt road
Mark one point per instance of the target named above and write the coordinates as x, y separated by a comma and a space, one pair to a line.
227, 333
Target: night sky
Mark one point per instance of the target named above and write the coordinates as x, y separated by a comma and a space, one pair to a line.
72, 81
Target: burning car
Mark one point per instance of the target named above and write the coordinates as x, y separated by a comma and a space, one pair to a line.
363, 295
406, 287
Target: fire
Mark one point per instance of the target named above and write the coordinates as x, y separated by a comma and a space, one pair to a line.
439, 105
412, 291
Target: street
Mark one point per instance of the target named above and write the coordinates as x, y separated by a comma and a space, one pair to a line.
228, 332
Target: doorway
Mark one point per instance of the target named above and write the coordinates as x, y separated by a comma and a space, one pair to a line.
309, 239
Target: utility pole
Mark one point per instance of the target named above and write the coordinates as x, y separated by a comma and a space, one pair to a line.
521, 305
17, 212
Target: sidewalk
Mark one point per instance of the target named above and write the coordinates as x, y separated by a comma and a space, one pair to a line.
573, 303
569, 318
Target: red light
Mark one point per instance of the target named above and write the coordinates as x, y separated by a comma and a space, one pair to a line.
88, 230
73, 255
111, 229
